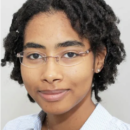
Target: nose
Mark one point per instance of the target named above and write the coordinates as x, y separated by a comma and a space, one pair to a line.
51, 72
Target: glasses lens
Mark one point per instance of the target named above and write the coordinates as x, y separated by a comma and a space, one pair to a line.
70, 59
32, 59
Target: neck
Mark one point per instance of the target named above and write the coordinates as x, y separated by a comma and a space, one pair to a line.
73, 119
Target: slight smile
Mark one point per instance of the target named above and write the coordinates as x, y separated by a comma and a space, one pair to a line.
53, 95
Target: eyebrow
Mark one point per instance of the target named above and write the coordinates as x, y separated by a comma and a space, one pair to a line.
64, 44
33, 45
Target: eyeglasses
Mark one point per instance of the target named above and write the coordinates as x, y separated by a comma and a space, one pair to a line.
33, 59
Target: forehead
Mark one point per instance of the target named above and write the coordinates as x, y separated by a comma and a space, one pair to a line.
48, 29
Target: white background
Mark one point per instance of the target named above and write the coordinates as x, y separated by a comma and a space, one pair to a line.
116, 99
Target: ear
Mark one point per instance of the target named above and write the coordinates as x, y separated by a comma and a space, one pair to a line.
99, 60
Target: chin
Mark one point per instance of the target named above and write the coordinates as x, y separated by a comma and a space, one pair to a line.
56, 109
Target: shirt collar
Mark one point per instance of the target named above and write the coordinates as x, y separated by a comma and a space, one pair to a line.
99, 119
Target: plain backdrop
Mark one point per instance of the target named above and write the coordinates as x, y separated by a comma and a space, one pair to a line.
116, 99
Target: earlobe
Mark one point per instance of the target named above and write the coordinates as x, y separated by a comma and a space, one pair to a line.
99, 60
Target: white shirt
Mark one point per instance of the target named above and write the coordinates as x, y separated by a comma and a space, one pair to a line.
100, 119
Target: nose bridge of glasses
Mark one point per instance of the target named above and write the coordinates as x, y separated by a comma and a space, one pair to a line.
56, 57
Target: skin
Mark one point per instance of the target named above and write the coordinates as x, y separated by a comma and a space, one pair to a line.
74, 109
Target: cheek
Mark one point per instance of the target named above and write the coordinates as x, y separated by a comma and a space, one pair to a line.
80, 80
80, 75
30, 78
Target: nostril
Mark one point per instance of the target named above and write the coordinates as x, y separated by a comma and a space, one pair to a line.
55, 80
50, 80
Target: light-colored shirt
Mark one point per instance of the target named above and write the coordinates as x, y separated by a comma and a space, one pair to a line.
100, 119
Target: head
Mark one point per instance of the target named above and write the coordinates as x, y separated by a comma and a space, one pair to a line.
49, 22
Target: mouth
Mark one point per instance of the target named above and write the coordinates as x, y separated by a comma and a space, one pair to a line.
53, 95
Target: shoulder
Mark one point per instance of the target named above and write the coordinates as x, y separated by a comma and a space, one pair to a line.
117, 124
101, 119
21, 123
111, 122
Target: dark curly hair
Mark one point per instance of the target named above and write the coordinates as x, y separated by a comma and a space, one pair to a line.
92, 19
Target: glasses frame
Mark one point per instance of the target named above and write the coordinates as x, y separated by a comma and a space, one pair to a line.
18, 55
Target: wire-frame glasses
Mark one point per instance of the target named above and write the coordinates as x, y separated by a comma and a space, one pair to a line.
34, 59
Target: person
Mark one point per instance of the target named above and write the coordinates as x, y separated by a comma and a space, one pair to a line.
63, 51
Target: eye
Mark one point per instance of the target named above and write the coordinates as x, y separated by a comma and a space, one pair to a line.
34, 56
70, 55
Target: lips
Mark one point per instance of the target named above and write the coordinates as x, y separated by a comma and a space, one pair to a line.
53, 95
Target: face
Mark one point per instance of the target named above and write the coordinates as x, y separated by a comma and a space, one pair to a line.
57, 89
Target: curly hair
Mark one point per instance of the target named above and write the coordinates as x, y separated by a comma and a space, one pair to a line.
92, 19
